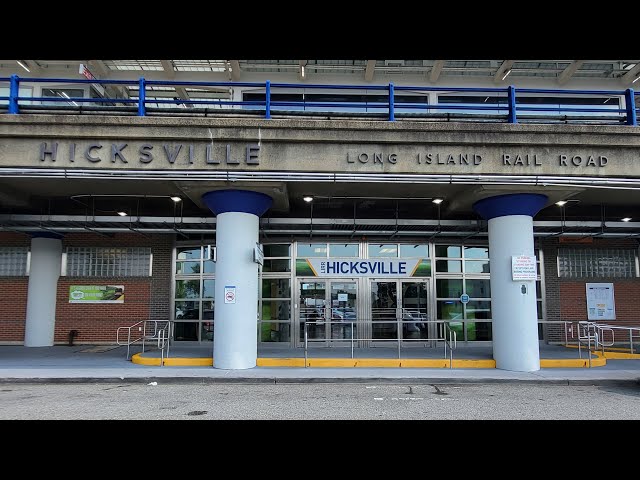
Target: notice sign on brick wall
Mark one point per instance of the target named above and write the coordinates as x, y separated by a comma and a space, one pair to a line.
523, 267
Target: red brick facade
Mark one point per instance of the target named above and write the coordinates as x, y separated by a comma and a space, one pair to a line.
95, 323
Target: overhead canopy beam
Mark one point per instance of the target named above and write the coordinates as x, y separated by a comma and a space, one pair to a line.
168, 69
99, 68
167, 66
504, 68
631, 75
568, 72
435, 71
235, 70
369, 70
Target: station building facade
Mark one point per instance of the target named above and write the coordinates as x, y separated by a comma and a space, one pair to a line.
340, 230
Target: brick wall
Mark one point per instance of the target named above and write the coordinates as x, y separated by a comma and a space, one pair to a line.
566, 298
13, 301
145, 297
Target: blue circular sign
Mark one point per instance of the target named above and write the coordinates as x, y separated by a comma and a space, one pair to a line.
464, 298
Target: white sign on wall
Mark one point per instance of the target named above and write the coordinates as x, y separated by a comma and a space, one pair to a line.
523, 267
600, 302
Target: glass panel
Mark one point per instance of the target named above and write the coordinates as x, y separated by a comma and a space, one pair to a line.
277, 250
414, 310
276, 310
208, 288
390, 250
188, 253
206, 331
449, 310
275, 332
478, 331
476, 266
312, 304
281, 265
187, 310
479, 310
540, 332
187, 288
478, 288
539, 309
449, 287
384, 300
187, 268
208, 309
538, 289
312, 249
276, 288
476, 252
338, 250
209, 266
420, 251
185, 331
451, 266
343, 308
448, 251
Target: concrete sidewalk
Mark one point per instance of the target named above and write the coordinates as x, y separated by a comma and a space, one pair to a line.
87, 364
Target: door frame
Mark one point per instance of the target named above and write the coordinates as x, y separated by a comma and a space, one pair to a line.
298, 339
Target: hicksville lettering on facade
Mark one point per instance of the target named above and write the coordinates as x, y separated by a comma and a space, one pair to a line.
146, 153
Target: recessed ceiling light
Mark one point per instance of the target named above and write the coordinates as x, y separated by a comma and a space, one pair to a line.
308, 198
437, 201
175, 199
561, 203
122, 214
626, 219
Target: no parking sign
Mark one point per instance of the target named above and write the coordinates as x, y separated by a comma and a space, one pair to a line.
229, 294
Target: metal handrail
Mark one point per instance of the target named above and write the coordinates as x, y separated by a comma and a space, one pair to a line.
129, 342
389, 102
149, 331
452, 340
611, 328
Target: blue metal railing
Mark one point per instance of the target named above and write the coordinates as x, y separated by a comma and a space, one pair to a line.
394, 104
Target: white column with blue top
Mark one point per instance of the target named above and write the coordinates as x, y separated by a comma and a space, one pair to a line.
513, 299
235, 335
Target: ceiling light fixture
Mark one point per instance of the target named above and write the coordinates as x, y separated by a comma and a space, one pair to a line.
561, 203
308, 198
122, 214
175, 198
437, 201
507, 73
302, 71
23, 65
626, 219
636, 79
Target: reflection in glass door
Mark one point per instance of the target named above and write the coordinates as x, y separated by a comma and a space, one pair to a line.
328, 308
401, 304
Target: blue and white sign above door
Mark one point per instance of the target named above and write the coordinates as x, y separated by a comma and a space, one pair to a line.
343, 267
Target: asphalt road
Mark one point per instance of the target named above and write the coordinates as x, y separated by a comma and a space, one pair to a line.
318, 402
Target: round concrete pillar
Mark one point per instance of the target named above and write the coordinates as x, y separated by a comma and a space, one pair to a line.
513, 302
44, 271
235, 339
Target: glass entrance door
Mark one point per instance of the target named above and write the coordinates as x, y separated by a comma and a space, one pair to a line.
399, 311
328, 308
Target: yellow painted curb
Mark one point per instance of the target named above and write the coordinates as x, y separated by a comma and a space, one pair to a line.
140, 360
621, 356
188, 362
280, 362
469, 363
572, 362
379, 362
